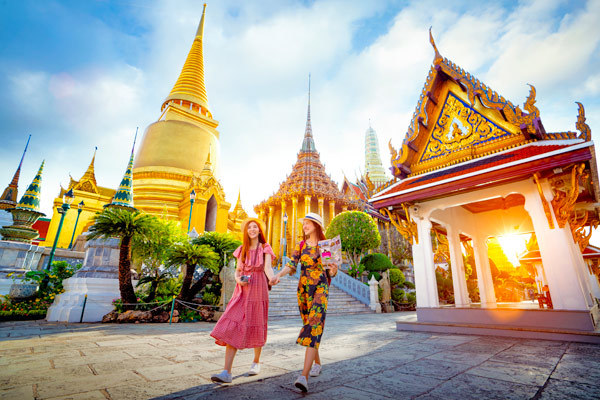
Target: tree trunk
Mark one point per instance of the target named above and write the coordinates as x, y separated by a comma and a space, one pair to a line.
187, 282
201, 283
125, 285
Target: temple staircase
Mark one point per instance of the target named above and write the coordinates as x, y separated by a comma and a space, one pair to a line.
283, 301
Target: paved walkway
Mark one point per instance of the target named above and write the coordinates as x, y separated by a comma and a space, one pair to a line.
363, 357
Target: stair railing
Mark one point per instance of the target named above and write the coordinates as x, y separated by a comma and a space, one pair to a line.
353, 287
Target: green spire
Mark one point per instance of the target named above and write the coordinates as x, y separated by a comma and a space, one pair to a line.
31, 198
124, 195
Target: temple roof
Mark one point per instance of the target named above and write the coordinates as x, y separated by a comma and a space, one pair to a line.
308, 176
463, 134
493, 168
459, 118
9, 196
87, 183
190, 84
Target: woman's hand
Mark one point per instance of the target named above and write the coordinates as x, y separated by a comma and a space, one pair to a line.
274, 280
333, 268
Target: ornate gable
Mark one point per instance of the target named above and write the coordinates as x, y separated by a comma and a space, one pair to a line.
459, 118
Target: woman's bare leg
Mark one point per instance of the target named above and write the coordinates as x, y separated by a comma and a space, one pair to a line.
309, 358
317, 358
229, 355
257, 351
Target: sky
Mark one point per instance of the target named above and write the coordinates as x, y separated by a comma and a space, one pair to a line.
79, 74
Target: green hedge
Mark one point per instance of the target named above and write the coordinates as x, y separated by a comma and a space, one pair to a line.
17, 315
409, 285
376, 262
411, 297
398, 295
396, 277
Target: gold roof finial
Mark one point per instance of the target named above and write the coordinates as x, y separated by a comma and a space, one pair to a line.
438, 57
190, 84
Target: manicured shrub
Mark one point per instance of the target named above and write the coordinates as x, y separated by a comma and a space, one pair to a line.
411, 297
376, 262
409, 285
398, 295
396, 277
377, 275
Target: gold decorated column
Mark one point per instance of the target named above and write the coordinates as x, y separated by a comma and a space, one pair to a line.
261, 214
293, 221
307, 199
270, 225
321, 210
389, 243
331, 210
283, 227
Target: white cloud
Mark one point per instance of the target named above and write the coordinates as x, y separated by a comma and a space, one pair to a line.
258, 56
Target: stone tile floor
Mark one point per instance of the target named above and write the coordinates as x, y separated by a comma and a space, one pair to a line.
364, 357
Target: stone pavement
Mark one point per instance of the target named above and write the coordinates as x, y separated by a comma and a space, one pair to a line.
364, 357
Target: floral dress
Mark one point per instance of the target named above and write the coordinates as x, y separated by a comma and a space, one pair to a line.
312, 293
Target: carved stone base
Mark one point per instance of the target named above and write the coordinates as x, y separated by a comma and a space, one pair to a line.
100, 291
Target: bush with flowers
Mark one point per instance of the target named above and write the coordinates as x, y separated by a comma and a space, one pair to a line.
37, 306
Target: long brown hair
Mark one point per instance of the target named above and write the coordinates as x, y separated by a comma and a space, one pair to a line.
246, 239
320, 234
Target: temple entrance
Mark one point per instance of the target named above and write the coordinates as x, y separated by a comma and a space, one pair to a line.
210, 223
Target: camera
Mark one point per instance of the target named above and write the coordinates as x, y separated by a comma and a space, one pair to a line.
245, 278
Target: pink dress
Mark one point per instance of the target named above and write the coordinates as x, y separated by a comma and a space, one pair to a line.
243, 325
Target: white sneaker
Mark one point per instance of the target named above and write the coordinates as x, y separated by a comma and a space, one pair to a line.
254, 369
221, 377
301, 383
315, 370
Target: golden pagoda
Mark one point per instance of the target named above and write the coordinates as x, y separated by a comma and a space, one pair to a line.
307, 189
94, 198
180, 153
236, 217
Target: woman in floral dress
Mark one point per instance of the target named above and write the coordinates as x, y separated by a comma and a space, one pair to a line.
313, 289
243, 325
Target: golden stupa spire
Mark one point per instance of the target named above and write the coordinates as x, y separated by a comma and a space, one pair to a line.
190, 84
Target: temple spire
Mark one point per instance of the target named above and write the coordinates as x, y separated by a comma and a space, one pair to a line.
124, 195
31, 199
190, 84
308, 144
89, 175
9, 196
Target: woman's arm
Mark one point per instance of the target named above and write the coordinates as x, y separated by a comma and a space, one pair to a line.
268, 268
238, 273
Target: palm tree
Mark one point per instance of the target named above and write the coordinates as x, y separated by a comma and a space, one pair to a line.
152, 252
224, 244
122, 223
190, 255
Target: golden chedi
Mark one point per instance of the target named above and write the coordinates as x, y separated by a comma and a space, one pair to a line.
180, 153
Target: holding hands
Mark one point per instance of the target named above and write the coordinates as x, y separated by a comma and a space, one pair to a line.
274, 280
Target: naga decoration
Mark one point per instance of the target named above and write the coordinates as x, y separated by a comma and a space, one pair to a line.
563, 202
578, 224
586, 132
407, 228
545, 204
442, 249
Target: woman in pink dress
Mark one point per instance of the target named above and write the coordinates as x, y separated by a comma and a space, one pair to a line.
243, 325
